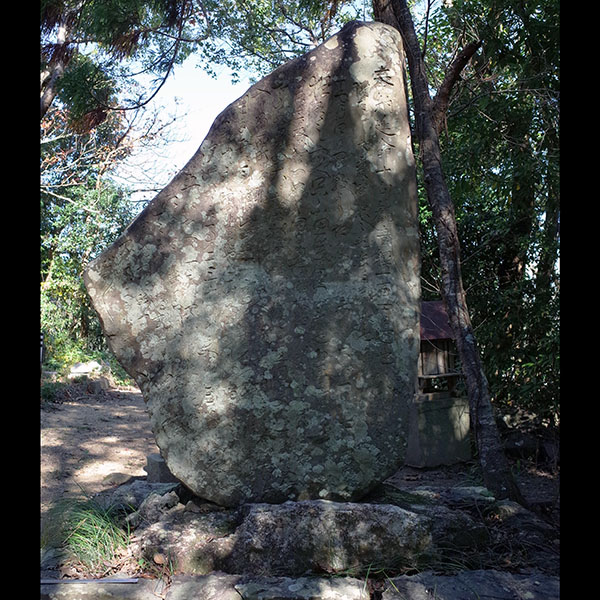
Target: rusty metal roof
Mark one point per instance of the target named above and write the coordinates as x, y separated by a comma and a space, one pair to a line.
434, 321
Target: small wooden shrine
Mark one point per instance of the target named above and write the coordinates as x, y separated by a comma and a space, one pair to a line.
437, 358
438, 418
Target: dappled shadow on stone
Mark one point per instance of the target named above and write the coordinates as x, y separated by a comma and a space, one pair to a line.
395, 532
267, 300
283, 366
320, 536
267, 304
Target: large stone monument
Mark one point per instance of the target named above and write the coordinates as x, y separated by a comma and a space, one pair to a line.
266, 301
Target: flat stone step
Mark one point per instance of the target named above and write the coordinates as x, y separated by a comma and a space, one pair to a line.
467, 585
143, 589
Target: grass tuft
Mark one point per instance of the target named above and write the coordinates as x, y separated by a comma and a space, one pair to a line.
86, 532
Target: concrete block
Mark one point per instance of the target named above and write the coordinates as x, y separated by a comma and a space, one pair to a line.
438, 430
157, 470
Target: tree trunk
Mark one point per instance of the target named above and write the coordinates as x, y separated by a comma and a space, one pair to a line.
521, 210
51, 76
549, 252
496, 471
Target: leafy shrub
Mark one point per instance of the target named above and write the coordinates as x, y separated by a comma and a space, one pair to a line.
51, 391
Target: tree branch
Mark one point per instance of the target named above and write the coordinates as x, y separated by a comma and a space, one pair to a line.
426, 29
50, 77
442, 98
46, 190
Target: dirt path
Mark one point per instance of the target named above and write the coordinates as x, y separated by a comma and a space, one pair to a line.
88, 438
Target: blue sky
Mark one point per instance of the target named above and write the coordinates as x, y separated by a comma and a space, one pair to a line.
197, 99
203, 98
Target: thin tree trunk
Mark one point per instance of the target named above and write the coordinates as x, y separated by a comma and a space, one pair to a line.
549, 251
496, 471
51, 76
546, 267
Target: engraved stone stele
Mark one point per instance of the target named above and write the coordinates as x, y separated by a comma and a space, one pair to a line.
266, 301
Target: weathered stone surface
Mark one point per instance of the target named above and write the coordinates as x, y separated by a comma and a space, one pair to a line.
220, 586
323, 536
474, 585
216, 586
468, 585
438, 430
157, 470
296, 538
131, 495
266, 301
143, 589
303, 588
196, 543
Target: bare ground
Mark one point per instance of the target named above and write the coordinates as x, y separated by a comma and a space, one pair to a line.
91, 442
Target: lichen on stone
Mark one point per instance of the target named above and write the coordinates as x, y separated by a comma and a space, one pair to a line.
266, 301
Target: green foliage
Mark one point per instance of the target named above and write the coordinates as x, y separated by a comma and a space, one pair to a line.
70, 238
100, 45
51, 391
87, 89
115, 39
80, 215
500, 150
257, 37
